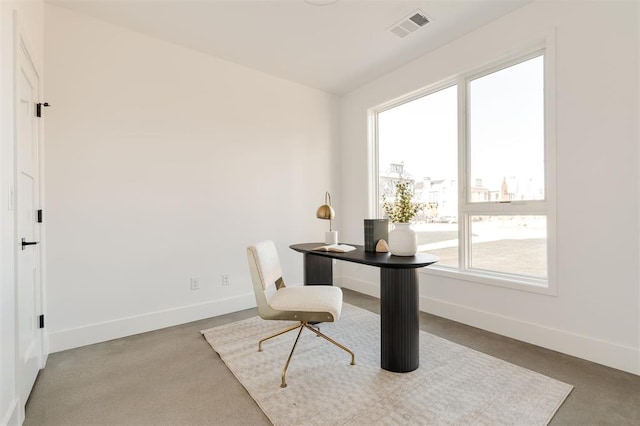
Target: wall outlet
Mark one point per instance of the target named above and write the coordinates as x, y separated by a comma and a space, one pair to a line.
195, 283
226, 280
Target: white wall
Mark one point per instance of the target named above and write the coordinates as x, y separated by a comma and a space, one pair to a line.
30, 15
164, 164
596, 312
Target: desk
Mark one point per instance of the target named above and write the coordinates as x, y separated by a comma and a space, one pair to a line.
399, 321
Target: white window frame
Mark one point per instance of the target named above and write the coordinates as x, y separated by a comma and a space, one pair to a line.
466, 209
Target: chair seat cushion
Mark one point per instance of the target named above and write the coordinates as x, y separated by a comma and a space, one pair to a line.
317, 298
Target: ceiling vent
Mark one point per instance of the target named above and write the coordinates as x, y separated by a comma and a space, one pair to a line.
411, 23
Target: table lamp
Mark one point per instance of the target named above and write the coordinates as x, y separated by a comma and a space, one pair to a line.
326, 212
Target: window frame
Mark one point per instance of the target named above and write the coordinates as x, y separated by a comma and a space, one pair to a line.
466, 208
373, 135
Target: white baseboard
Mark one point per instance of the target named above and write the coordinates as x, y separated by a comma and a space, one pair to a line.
122, 327
610, 354
11, 417
606, 353
361, 286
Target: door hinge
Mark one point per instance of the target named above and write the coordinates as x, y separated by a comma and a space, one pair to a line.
39, 108
42, 321
40, 216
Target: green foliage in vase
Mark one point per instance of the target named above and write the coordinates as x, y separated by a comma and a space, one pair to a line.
402, 209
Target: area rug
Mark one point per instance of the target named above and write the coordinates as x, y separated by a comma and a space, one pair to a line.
454, 385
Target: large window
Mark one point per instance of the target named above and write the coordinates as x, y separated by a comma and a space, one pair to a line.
418, 142
476, 154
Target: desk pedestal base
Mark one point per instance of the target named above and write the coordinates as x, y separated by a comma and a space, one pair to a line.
317, 270
399, 320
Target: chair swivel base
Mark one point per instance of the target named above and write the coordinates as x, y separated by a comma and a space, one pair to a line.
302, 326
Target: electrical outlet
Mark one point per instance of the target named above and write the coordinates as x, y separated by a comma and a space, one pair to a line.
226, 280
195, 283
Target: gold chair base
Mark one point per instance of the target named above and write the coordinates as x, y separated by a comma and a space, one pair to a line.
302, 326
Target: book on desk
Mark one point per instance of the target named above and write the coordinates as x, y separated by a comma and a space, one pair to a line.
335, 248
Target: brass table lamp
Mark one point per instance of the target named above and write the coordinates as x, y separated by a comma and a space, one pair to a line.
326, 212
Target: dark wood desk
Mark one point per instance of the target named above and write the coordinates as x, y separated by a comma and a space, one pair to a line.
399, 310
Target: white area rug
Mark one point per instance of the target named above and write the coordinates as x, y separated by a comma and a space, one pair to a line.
454, 385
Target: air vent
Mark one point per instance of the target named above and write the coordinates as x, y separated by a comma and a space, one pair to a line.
411, 23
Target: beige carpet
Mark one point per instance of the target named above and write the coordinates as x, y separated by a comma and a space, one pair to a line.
454, 385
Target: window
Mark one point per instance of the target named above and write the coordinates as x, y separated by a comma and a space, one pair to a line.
418, 142
476, 154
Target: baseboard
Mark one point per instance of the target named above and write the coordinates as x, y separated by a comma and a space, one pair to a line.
361, 286
606, 353
11, 417
122, 327
46, 348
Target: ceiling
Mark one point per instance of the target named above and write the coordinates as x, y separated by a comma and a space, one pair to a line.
336, 48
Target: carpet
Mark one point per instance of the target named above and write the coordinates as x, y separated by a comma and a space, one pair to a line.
454, 385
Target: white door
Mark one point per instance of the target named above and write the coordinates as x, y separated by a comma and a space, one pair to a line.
28, 291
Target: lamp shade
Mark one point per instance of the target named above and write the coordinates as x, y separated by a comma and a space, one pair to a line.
325, 211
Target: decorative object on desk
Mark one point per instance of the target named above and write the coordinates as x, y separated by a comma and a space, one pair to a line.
403, 241
374, 231
336, 248
382, 247
326, 212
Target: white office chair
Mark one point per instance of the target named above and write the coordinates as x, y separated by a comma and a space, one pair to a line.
320, 303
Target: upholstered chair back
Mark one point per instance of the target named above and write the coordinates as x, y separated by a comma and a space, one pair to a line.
265, 271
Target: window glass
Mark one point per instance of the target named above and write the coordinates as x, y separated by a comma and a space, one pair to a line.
506, 134
510, 244
417, 142
494, 223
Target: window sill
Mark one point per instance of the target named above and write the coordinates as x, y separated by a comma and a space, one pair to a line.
532, 285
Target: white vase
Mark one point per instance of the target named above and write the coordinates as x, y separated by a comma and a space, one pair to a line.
403, 241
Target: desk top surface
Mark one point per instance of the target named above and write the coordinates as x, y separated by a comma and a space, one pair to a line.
382, 260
